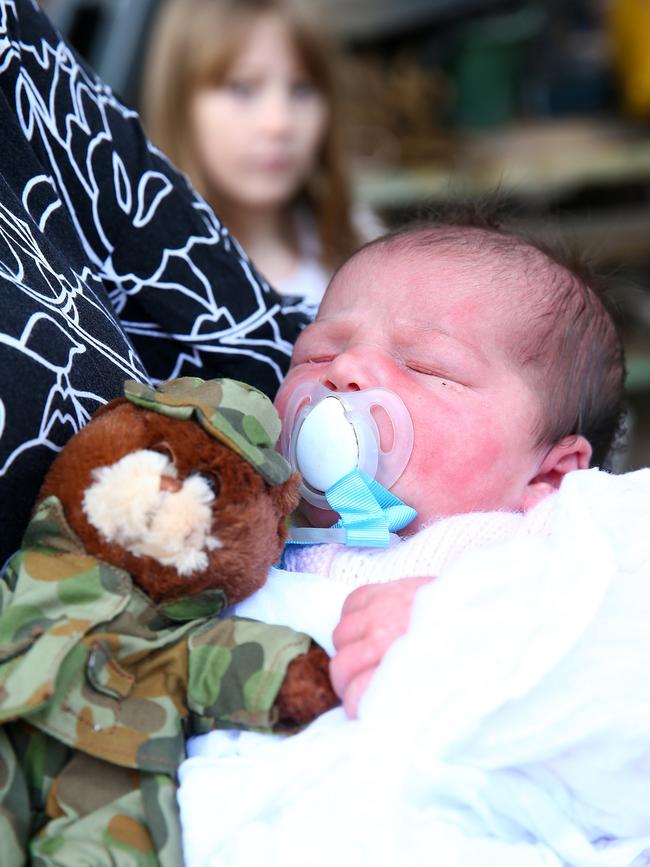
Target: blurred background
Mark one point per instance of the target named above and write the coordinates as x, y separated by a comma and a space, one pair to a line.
548, 102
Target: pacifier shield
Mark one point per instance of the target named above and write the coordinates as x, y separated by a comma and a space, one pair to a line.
328, 434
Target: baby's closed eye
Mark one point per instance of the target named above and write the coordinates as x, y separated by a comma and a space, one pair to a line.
444, 379
318, 359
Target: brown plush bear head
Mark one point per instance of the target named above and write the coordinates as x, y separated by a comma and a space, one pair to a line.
180, 486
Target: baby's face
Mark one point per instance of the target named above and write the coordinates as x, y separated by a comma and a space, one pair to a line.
427, 327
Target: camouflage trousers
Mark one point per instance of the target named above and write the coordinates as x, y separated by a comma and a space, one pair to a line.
62, 807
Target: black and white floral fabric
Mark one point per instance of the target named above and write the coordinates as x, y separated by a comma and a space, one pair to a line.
111, 267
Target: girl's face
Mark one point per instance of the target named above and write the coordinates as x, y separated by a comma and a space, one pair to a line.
258, 133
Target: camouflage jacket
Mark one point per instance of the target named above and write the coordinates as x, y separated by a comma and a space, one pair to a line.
94, 667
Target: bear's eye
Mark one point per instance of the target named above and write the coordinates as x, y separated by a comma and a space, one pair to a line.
165, 449
212, 480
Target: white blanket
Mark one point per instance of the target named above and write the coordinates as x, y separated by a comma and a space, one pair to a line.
509, 727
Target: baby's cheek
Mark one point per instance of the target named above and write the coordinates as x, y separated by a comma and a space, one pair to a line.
293, 380
487, 453
462, 474
280, 402
490, 474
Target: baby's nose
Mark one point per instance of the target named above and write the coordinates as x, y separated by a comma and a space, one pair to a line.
347, 372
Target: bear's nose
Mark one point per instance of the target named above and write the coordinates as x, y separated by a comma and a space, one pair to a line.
168, 483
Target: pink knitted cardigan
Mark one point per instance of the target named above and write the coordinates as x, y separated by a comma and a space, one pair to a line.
425, 553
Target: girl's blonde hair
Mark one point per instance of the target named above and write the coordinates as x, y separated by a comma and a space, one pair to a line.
193, 44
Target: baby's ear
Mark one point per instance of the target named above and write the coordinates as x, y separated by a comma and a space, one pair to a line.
570, 453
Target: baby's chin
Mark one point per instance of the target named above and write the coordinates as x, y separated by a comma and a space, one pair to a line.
415, 525
316, 517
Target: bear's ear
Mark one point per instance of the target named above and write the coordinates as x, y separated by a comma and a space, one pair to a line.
286, 496
107, 407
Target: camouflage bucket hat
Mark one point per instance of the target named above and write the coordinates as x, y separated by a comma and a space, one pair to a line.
236, 414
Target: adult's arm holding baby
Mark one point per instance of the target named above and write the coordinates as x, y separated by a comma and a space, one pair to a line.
373, 617
111, 267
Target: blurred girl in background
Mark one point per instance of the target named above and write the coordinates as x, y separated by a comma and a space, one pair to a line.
240, 95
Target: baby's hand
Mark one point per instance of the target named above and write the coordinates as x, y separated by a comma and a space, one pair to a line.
373, 617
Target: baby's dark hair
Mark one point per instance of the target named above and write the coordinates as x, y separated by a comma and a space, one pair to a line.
569, 343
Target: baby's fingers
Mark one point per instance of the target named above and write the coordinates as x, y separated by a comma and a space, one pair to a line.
355, 691
361, 597
352, 627
350, 662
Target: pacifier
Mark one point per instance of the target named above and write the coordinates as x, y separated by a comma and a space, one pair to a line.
328, 434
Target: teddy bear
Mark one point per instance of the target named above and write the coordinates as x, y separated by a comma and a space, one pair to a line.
116, 642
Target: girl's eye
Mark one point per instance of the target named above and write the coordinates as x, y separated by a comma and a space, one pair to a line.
303, 89
240, 89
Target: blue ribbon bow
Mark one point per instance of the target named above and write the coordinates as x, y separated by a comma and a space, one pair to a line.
369, 513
